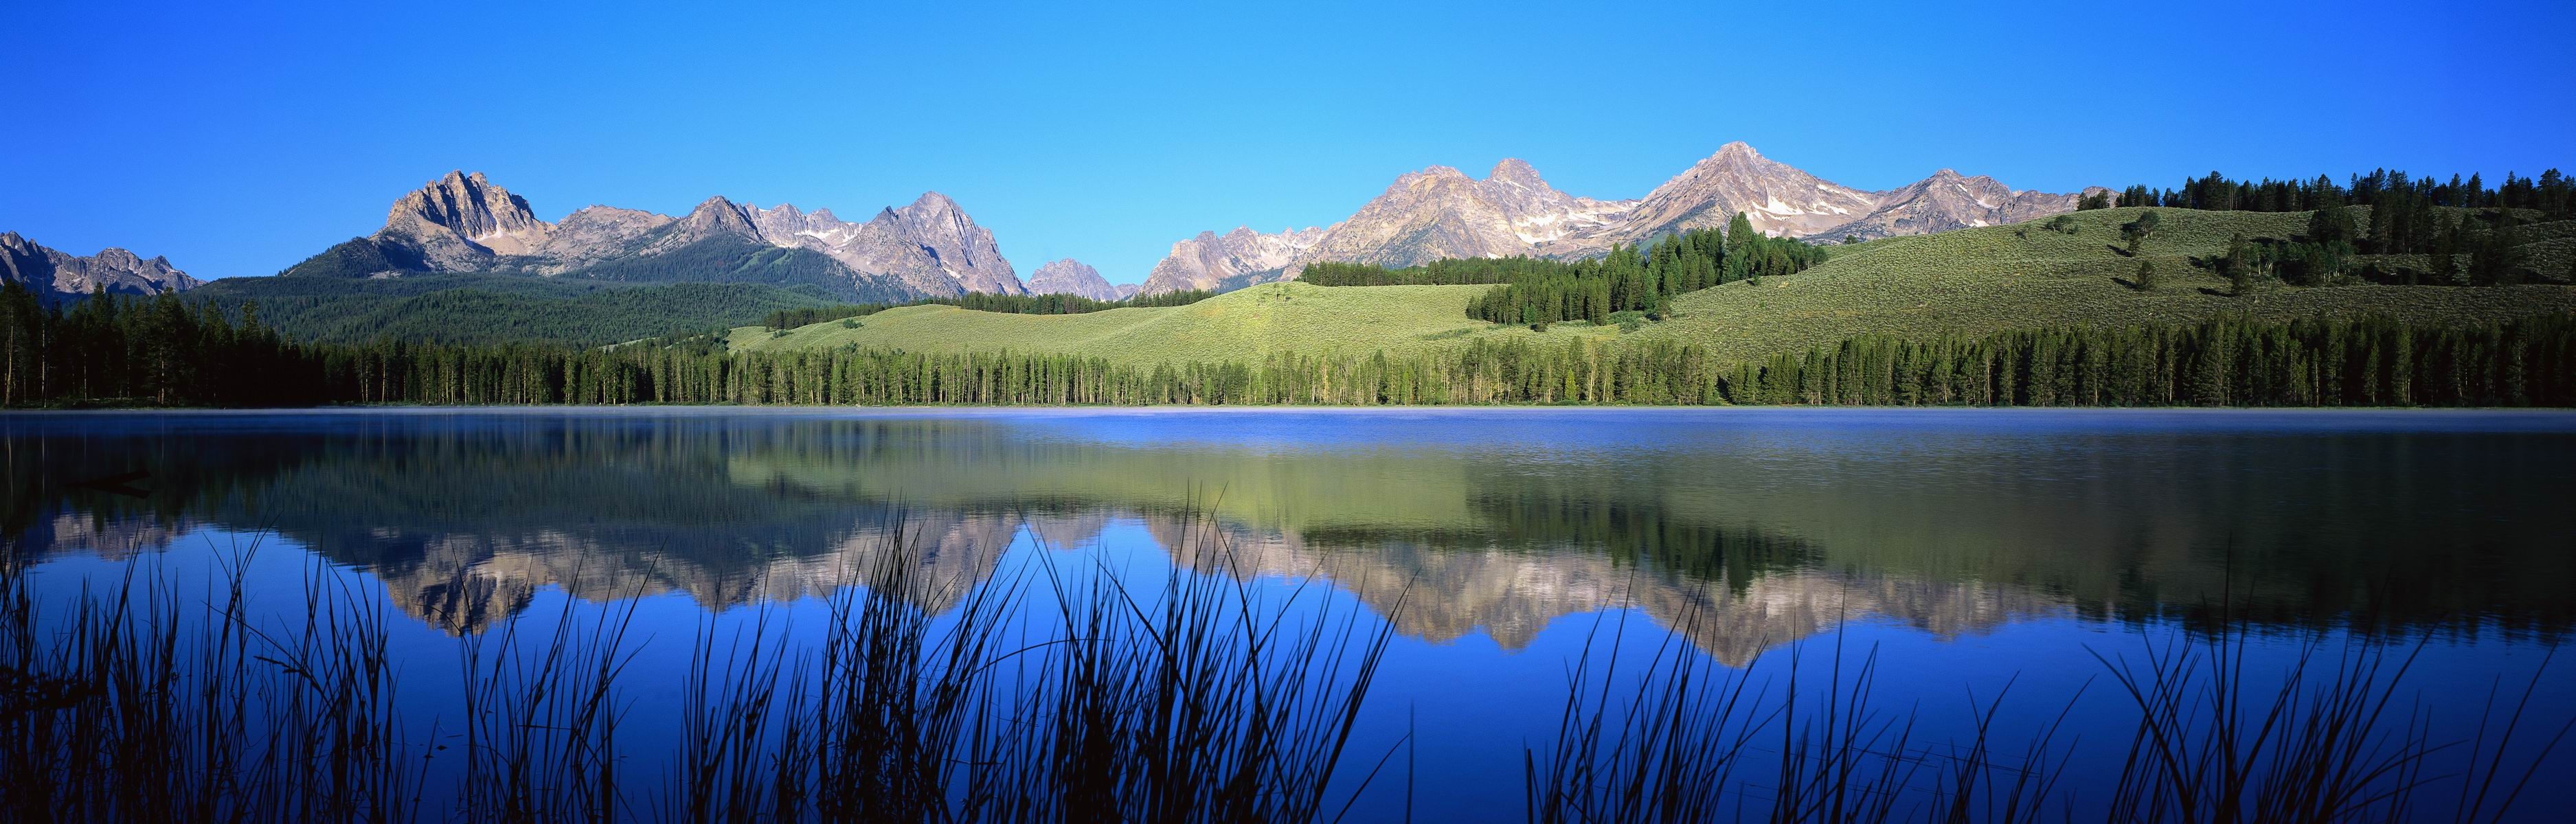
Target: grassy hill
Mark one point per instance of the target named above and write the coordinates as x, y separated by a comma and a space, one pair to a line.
1962, 282
1244, 324
1975, 281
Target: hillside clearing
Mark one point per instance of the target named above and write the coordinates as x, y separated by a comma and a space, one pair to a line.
1965, 282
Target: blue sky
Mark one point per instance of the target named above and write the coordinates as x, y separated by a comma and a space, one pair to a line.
238, 142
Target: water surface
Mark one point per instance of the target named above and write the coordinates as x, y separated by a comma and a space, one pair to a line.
1967, 549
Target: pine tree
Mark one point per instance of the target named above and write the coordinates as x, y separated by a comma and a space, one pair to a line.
1739, 231
2145, 279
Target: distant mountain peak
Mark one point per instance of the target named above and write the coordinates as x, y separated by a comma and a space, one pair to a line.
463, 221
713, 217
56, 276
1066, 276
1517, 172
1737, 151
1209, 260
1438, 212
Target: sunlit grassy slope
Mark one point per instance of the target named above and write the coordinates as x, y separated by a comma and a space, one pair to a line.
1244, 324
1966, 281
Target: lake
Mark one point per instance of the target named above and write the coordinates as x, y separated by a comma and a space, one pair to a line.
1969, 561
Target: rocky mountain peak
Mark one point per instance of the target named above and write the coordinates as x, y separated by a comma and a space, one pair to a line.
461, 222
1071, 277
1438, 212
939, 229
716, 216
467, 206
1210, 260
932, 208
56, 276
1517, 172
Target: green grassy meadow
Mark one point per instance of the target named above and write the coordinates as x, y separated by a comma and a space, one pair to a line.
1970, 281
1241, 325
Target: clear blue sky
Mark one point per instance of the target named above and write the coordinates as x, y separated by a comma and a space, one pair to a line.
238, 142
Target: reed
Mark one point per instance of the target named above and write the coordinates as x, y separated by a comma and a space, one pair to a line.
2335, 736
137, 705
1202, 696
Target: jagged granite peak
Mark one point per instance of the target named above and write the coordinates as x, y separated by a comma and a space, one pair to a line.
1948, 200
1071, 277
594, 234
713, 217
1440, 212
1211, 260
1129, 290
465, 223
462, 221
964, 251
56, 276
1777, 198
931, 246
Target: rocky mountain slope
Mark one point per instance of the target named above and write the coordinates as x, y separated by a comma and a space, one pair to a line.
1440, 212
55, 275
1242, 256
465, 223
1073, 277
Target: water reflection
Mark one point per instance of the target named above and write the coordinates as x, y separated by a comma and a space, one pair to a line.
1777, 524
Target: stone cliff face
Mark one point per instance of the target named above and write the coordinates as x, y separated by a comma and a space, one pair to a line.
1235, 258
1440, 212
1948, 200
1071, 277
55, 276
1776, 197
596, 234
462, 222
465, 223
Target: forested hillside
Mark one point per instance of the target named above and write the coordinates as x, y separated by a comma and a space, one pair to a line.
164, 353
1627, 279
2081, 270
491, 309
2431, 294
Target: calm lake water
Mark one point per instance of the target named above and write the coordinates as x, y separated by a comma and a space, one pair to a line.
1969, 551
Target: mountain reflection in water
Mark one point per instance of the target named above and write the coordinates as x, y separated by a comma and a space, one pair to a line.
1776, 524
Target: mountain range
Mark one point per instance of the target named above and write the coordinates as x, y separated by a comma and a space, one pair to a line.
464, 223
55, 275
1441, 212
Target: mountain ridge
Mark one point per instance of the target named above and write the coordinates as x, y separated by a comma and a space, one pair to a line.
464, 223
1440, 212
56, 276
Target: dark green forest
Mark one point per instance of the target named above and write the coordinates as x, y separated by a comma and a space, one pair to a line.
1629, 279
362, 261
491, 309
2552, 194
163, 351
1046, 304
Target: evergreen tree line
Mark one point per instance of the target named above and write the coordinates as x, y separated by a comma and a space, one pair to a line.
2407, 216
1047, 304
162, 351
2462, 248
1628, 279
2222, 362
2392, 196
159, 350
